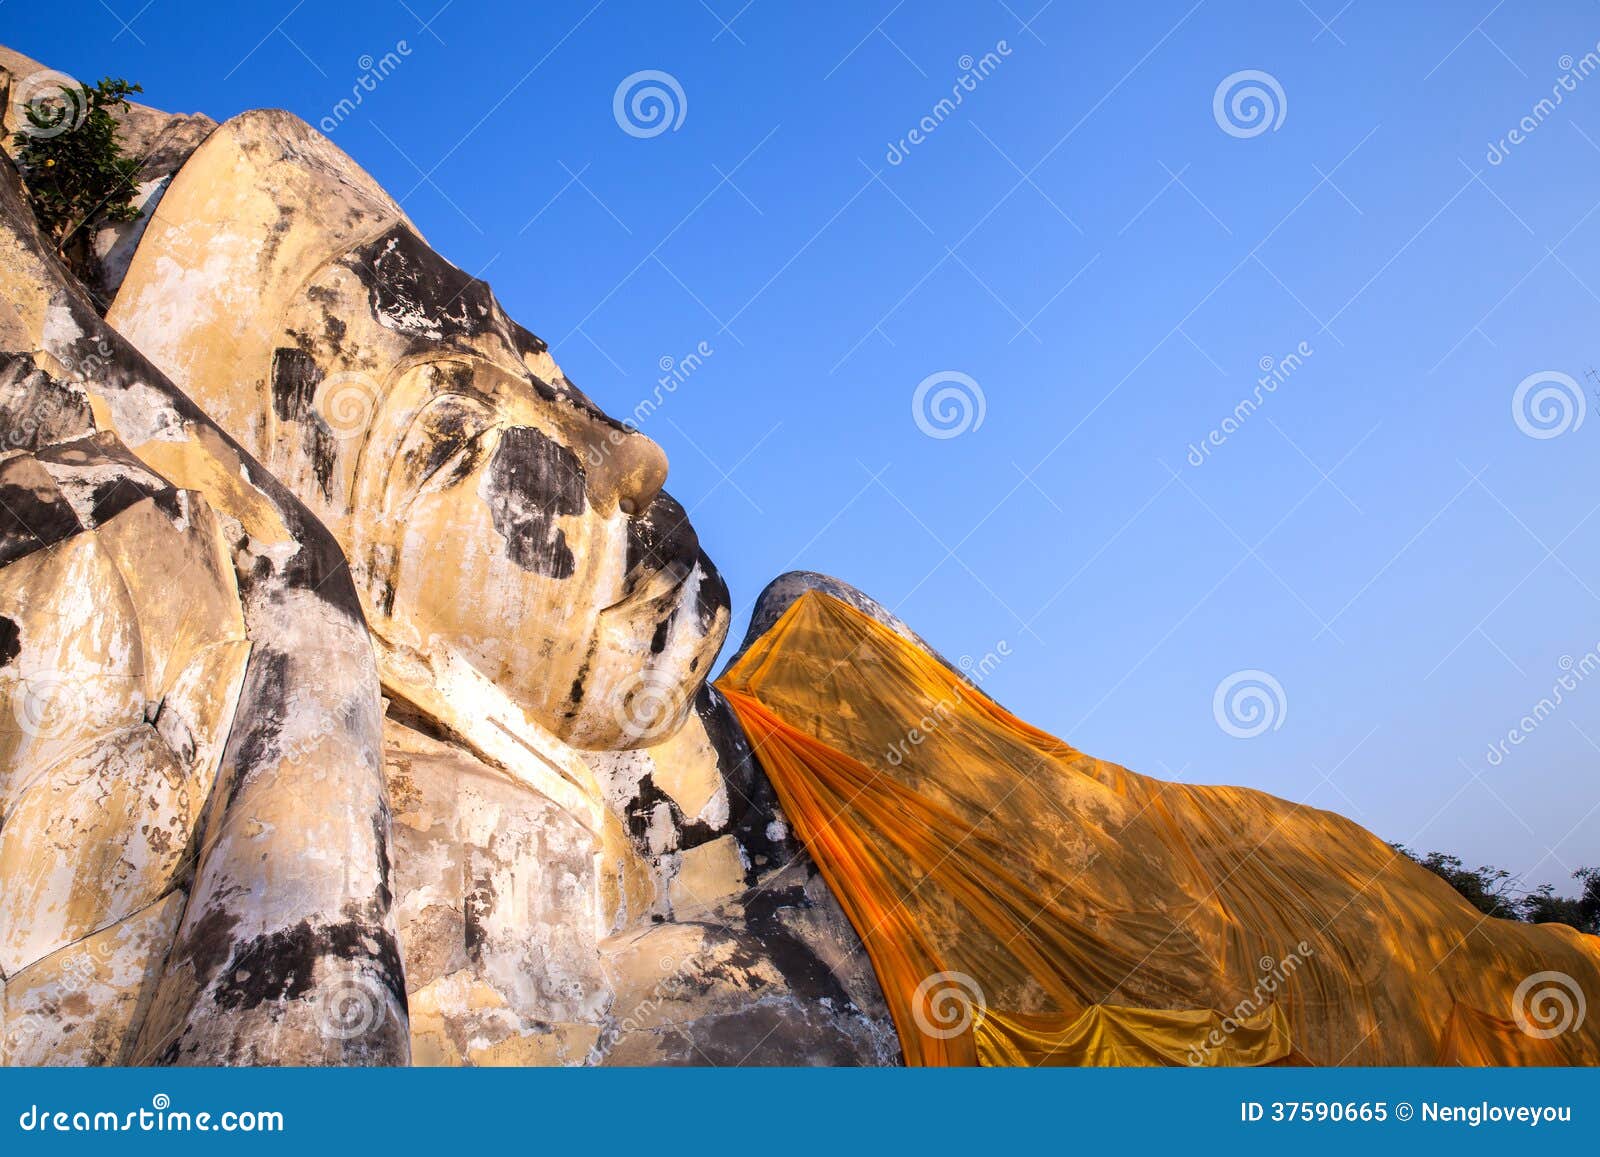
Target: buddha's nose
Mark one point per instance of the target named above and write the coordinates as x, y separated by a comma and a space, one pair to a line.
626, 470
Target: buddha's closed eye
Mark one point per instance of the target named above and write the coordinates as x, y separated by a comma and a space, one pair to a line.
444, 444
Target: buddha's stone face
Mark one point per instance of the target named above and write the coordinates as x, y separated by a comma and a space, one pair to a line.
488, 508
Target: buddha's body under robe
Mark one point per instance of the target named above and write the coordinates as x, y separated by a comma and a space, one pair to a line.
1024, 903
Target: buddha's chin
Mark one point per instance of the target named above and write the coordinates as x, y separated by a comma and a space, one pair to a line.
635, 696
611, 722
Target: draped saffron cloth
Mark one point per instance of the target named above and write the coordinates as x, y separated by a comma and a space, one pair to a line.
1025, 904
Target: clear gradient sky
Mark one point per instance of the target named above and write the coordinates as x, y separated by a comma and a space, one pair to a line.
1109, 260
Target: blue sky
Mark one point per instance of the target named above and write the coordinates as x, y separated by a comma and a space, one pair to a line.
1108, 265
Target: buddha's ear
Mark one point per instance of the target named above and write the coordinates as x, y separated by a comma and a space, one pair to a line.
262, 204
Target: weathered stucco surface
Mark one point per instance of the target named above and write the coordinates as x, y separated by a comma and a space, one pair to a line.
546, 843
176, 624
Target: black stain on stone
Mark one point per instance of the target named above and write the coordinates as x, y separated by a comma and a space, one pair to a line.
320, 447
753, 803
455, 429
532, 480
658, 641
10, 640
114, 477
114, 495
315, 567
281, 965
385, 598
210, 943
528, 344
275, 967
475, 909
711, 598
295, 378
661, 538
641, 810
805, 972
35, 408
333, 329
266, 691
31, 517
415, 291
380, 844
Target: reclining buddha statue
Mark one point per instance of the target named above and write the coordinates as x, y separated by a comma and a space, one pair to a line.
568, 852
359, 673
